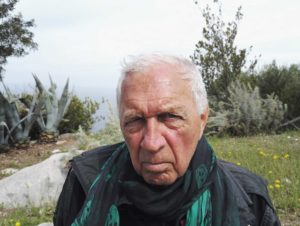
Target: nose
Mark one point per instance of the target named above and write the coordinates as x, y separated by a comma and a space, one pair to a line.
153, 140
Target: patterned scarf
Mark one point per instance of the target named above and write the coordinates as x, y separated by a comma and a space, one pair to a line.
202, 194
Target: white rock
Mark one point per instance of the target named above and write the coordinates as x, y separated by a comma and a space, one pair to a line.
60, 142
33, 142
56, 151
36, 185
67, 136
9, 171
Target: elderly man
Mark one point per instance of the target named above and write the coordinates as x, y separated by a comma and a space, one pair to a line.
165, 173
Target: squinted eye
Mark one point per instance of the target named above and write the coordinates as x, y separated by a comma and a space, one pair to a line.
164, 117
134, 121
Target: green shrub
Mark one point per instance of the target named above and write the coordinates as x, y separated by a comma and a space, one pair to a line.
80, 113
111, 133
246, 112
284, 82
85, 141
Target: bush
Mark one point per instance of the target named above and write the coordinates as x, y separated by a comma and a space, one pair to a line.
86, 141
80, 113
246, 112
284, 82
111, 133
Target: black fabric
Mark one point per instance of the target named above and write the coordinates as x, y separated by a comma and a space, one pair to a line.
117, 181
251, 192
70, 201
166, 202
256, 184
260, 204
88, 165
130, 215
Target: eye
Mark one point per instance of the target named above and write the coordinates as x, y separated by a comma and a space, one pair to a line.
134, 122
169, 117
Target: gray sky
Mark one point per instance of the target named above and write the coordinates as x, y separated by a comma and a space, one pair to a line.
87, 40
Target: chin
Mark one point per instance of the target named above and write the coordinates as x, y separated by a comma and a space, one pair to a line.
161, 180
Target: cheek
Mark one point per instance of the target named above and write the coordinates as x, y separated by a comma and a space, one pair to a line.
185, 138
183, 145
133, 142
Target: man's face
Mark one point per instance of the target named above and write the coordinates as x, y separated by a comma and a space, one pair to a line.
160, 123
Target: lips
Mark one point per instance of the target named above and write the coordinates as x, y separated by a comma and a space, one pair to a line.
155, 167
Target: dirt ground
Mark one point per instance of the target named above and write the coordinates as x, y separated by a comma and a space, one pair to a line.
290, 219
20, 158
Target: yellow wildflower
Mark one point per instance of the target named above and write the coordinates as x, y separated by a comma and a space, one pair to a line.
271, 187
277, 186
275, 157
277, 181
238, 163
262, 153
270, 171
286, 156
18, 223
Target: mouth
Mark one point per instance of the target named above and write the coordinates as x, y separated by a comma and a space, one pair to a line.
155, 167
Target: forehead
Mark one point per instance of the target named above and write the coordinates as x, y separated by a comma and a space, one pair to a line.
164, 79
168, 76
162, 86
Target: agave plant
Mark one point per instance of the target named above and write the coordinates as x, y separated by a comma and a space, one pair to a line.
54, 109
4, 130
17, 128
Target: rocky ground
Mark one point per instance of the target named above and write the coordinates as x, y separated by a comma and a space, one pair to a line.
37, 152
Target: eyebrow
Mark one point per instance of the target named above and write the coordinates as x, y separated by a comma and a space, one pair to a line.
171, 108
130, 113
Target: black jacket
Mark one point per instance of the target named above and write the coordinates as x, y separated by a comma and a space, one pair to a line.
253, 201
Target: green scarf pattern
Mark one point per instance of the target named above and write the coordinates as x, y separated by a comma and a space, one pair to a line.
200, 196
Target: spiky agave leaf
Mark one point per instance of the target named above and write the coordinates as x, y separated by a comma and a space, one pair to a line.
12, 116
39, 84
55, 108
64, 102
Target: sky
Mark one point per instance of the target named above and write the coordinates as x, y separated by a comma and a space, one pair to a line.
87, 41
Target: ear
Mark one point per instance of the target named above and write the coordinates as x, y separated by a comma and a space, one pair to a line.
203, 120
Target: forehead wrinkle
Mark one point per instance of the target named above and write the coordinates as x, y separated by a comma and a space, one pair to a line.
156, 74
165, 105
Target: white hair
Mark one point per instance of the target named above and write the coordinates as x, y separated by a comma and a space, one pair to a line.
188, 71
